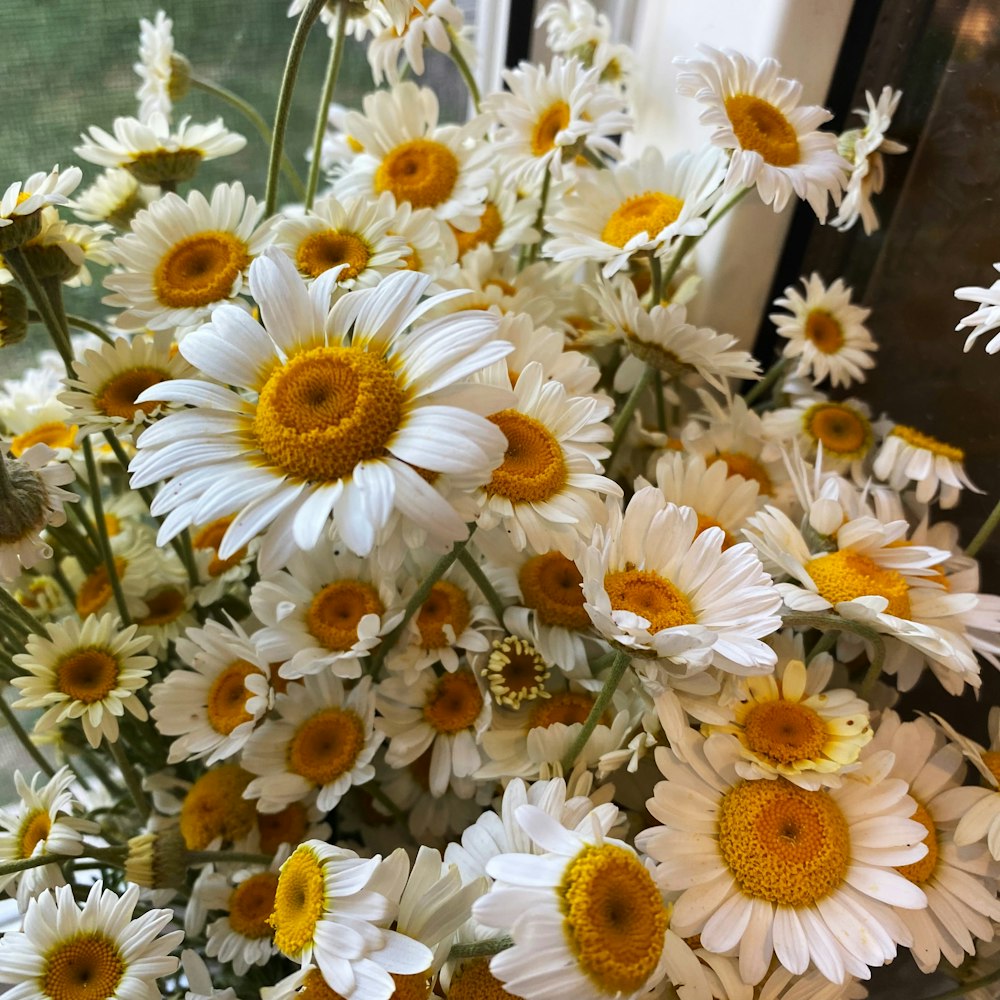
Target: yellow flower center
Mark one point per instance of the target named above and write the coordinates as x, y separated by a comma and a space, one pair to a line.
336, 611
920, 440
846, 575
318, 252
614, 919
739, 463
227, 697
991, 758
55, 434
825, 331
116, 397
784, 732
326, 745
421, 171
298, 902
415, 986
490, 227
761, 128
87, 966
533, 468
88, 675
920, 871
647, 213
35, 827
705, 522
200, 269
549, 124
210, 537
474, 981
95, 591
783, 843
314, 987
649, 595
251, 903
552, 586
326, 410
163, 607
454, 703
446, 605
214, 808
286, 827
568, 708
516, 672
842, 430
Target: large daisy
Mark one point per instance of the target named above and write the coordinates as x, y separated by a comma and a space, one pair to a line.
184, 256
329, 421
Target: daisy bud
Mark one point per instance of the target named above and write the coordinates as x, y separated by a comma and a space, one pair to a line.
180, 77
21, 229
13, 315
24, 501
157, 860
50, 261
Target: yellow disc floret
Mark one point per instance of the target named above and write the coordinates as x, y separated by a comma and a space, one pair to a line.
785, 732
55, 434
95, 591
760, 127
251, 903
35, 827
920, 871
289, 826
214, 808
551, 585
920, 440
842, 430
318, 252
421, 171
549, 124
87, 966
647, 213
116, 398
649, 595
326, 745
200, 269
298, 902
567, 708
846, 575
446, 605
739, 463
336, 611
825, 331
454, 703
88, 675
533, 469
474, 981
227, 697
490, 228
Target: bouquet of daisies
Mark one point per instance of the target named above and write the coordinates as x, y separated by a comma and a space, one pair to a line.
403, 597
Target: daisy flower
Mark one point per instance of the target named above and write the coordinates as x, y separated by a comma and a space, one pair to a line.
779, 870
322, 739
135, 561
655, 587
842, 431
213, 708
575, 28
864, 149
184, 256
66, 950
211, 811
31, 498
163, 72
31, 412
360, 235
825, 332
985, 319
586, 917
108, 379
774, 141
577, 372
293, 447
507, 219
23, 199
61, 250
547, 118
436, 23
114, 197
41, 823
406, 152
89, 671
152, 152
325, 913
431, 243
936, 468
636, 208
219, 575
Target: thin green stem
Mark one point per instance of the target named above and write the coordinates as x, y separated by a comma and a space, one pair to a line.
77, 322
80, 515
478, 949
614, 676
463, 67
39, 861
624, 417
656, 274
469, 564
306, 20
102, 531
132, 780
323, 112
826, 641
758, 389
661, 404
19, 731
830, 622
989, 526
256, 119
18, 613
24, 272
531, 252
593, 158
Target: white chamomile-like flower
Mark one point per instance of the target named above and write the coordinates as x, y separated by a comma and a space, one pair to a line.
65, 948
656, 587
293, 448
114, 197
61, 250
934, 467
636, 208
23, 198
825, 332
160, 71
773, 140
212, 708
184, 256
89, 671
434, 23
507, 219
985, 319
841, 430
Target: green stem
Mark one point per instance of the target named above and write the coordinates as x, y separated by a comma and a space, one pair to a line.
615, 674
257, 120
73, 543
226, 857
332, 72
531, 253
306, 20
469, 564
132, 779
656, 274
964, 989
19, 731
77, 322
477, 949
102, 531
825, 642
593, 158
80, 515
661, 404
39, 861
989, 525
20, 614
24, 272
758, 389
620, 426
830, 622
463, 67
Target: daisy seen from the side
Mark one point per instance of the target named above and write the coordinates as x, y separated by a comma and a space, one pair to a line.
986, 318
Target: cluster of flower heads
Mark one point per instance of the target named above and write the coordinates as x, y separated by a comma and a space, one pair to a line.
418, 604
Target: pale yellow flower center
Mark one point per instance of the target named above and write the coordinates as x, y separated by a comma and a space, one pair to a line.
846, 575
55, 434
649, 212
298, 903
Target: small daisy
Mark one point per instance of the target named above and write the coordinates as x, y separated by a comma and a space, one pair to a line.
164, 74
436, 23
220, 576
549, 117
89, 672
41, 823
291, 454
864, 149
135, 561
577, 29
154, 154
211, 811
637, 208
108, 379
985, 319
432, 248
62, 250
841, 430
936, 468
825, 331
31, 412
774, 141
95, 950
184, 256
213, 708
657, 588
507, 219
577, 372
23, 199
322, 740
114, 197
